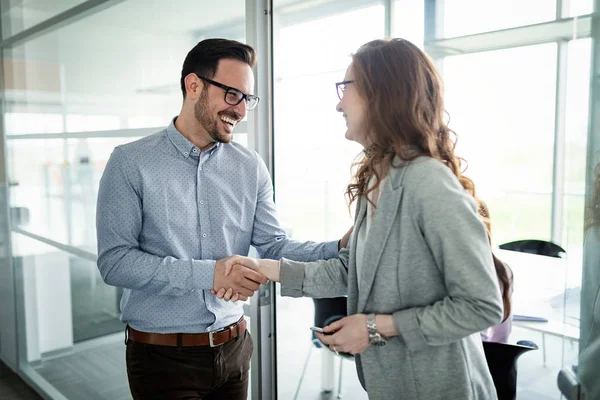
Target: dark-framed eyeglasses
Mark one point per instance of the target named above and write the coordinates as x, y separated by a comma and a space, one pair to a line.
341, 88
234, 96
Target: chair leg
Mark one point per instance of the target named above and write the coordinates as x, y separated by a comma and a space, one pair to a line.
544, 346
304, 370
339, 395
327, 371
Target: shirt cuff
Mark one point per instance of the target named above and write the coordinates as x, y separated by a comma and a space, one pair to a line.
203, 274
330, 250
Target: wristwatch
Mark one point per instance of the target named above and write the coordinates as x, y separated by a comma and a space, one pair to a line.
375, 338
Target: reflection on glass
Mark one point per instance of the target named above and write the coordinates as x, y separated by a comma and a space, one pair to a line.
589, 346
465, 17
65, 297
59, 186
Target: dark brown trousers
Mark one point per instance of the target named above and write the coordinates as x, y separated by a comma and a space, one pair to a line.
207, 373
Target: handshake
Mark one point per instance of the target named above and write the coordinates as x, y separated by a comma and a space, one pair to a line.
237, 278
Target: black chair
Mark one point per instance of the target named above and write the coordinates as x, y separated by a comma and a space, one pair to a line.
326, 312
502, 363
534, 246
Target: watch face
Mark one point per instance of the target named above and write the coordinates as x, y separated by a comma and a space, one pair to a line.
377, 340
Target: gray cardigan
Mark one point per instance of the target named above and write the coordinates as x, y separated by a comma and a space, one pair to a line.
427, 262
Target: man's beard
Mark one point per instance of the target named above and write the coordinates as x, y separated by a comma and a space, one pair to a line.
209, 123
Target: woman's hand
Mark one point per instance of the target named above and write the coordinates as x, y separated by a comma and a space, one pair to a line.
350, 335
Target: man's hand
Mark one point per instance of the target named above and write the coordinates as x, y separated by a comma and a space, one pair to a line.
241, 280
343, 243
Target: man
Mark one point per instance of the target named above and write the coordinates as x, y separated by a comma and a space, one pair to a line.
171, 208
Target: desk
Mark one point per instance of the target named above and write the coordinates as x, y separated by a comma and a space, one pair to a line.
538, 281
553, 328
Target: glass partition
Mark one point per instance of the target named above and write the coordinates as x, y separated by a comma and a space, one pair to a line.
71, 95
312, 167
467, 17
18, 15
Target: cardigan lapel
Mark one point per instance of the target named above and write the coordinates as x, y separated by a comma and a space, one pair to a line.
383, 220
361, 213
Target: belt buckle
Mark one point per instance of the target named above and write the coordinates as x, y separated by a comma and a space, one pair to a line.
211, 339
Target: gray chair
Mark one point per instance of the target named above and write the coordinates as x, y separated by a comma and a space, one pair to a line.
502, 363
326, 312
535, 246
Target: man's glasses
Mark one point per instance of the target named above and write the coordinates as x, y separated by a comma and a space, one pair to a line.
234, 96
341, 88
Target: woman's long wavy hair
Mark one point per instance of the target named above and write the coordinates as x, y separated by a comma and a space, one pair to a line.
501, 268
404, 116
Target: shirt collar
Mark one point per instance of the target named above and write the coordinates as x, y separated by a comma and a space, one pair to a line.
182, 144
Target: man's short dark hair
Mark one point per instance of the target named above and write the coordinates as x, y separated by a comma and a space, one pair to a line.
205, 56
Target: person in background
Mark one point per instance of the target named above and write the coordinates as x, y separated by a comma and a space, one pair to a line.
501, 331
171, 208
418, 273
589, 342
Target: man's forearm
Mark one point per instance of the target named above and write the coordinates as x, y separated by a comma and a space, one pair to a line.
135, 269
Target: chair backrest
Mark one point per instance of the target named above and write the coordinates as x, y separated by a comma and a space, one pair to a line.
534, 246
502, 363
328, 311
327, 308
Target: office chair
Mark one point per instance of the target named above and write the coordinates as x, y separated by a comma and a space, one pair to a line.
502, 363
326, 312
534, 246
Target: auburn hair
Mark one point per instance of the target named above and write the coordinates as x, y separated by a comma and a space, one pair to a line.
502, 269
405, 117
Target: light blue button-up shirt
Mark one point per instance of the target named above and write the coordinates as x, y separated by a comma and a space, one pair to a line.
167, 212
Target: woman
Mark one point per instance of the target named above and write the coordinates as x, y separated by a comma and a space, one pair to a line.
501, 331
589, 342
418, 272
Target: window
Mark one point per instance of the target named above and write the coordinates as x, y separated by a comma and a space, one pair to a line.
501, 104
465, 17
409, 21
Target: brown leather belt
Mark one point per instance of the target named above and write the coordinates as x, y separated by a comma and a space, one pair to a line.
211, 339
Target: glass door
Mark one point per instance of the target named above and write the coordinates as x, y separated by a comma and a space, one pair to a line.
74, 87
